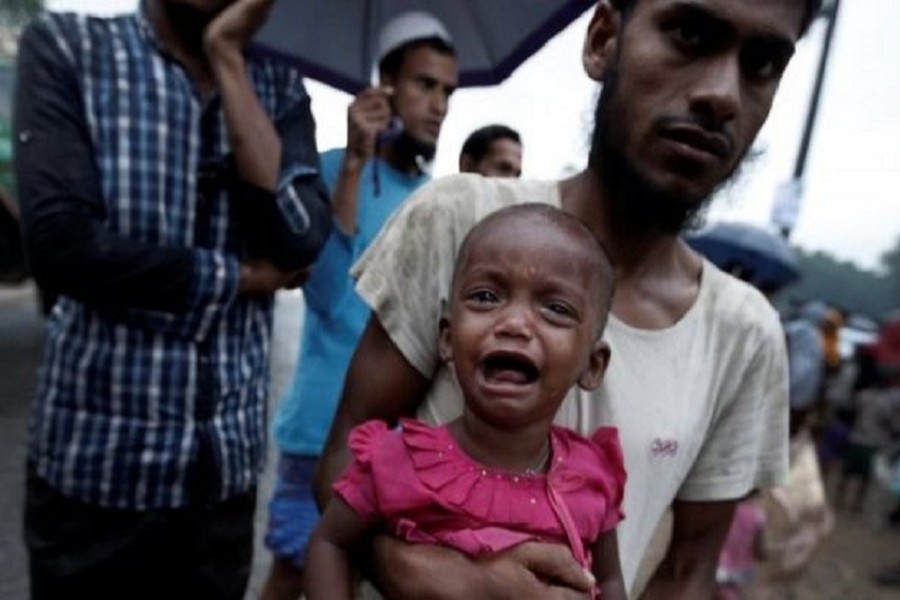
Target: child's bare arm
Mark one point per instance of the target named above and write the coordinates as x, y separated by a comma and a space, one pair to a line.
607, 570
327, 572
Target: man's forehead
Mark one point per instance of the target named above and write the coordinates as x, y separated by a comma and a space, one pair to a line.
505, 146
747, 18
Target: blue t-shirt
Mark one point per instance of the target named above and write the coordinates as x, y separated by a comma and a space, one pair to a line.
335, 314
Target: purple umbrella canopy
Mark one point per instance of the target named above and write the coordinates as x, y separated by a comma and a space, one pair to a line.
334, 41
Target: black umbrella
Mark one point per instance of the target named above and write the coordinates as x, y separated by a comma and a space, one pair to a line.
757, 254
334, 40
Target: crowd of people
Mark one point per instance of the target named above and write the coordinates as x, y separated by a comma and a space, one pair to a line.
506, 388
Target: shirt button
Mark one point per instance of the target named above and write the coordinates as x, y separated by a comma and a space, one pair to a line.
26, 136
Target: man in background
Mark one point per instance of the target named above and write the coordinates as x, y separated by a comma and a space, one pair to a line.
493, 151
392, 135
169, 185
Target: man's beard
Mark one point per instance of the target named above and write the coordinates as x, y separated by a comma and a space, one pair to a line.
635, 201
410, 147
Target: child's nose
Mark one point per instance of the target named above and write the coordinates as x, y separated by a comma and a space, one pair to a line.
516, 322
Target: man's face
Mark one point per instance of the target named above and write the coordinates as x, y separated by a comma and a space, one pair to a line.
688, 85
504, 159
422, 89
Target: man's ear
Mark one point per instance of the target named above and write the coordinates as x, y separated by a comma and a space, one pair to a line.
385, 79
601, 40
466, 164
596, 368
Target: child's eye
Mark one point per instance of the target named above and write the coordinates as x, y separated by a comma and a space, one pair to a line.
559, 310
483, 297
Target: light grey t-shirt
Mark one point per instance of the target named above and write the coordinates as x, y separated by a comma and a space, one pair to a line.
701, 406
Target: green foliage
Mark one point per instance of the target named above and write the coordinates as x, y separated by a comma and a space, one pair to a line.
16, 13
890, 262
844, 284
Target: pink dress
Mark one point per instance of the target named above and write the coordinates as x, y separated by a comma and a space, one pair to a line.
427, 490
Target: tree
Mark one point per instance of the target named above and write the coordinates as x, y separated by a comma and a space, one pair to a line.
15, 13
890, 262
842, 283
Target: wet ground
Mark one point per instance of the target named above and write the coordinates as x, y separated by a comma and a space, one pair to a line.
860, 545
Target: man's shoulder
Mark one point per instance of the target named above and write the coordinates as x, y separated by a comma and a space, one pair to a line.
75, 26
76, 34
736, 305
335, 155
470, 197
277, 71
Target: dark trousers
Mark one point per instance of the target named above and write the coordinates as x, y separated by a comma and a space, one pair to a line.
78, 550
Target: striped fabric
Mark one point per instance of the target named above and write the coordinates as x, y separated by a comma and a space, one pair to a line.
140, 409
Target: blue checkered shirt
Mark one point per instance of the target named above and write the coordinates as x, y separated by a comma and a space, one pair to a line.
137, 407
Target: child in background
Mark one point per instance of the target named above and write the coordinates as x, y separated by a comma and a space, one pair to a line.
528, 303
742, 551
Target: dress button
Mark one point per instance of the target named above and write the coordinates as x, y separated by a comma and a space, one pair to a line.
533, 500
516, 479
483, 472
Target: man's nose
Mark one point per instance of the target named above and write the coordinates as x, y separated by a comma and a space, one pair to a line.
716, 96
440, 103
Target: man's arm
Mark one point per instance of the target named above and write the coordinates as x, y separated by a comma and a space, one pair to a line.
253, 139
281, 198
368, 114
70, 249
688, 570
380, 384
327, 572
607, 569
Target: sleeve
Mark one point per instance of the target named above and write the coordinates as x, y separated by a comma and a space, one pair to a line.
405, 274
290, 226
356, 486
330, 276
747, 446
609, 447
70, 250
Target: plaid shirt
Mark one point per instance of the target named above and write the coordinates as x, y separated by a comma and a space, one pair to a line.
156, 398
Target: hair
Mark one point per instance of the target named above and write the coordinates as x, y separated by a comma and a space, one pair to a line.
813, 7
478, 144
546, 215
393, 60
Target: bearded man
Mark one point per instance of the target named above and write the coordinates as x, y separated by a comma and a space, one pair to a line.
697, 382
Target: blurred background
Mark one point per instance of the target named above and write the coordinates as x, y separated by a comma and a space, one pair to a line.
835, 204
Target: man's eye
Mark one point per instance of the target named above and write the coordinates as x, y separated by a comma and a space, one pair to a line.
425, 84
690, 35
762, 64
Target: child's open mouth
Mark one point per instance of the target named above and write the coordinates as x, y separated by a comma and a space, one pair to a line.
509, 368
